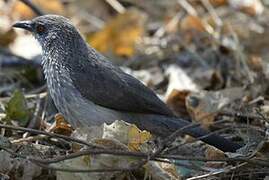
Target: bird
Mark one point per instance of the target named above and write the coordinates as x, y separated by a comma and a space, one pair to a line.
87, 89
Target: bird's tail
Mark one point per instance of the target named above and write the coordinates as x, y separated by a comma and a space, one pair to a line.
164, 126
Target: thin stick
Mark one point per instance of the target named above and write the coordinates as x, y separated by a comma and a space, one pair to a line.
224, 170
34, 8
116, 5
84, 170
34, 131
190, 10
171, 24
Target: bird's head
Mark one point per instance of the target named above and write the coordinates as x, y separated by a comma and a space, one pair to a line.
50, 29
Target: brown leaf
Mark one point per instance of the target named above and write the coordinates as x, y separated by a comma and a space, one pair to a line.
214, 154
176, 101
192, 23
255, 63
60, 126
218, 2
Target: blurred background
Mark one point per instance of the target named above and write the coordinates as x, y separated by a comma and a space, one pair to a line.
207, 59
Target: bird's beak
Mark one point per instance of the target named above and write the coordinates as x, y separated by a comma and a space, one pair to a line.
27, 25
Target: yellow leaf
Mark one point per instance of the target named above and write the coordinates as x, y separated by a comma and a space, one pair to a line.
137, 137
120, 34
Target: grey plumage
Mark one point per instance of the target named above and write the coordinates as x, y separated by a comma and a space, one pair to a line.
112, 88
88, 90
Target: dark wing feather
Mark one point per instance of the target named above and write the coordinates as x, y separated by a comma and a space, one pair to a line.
107, 85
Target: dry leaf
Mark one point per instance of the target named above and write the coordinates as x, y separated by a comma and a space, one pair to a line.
213, 153
250, 7
204, 106
176, 102
255, 63
170, 168
116, 136
179, 80
120, 34
218, 2
216, 81
161, 171
137, 138
120, 132
192, 23
60, 126
127, 134
111, 144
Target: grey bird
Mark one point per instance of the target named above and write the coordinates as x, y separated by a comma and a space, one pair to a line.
89, 90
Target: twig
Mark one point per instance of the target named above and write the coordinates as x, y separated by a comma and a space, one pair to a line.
212, 12
240, 56
34, 131
262, 116
30, 138
182, 165
240, 115
172, 23
164, 143
93, 20
34, 8
35, 121
84, 170
261, 162
227, 169
198, 138
218, 131
190, 10
91, 152
38, 90
116, 5
178, 132
27, 96
256, 161
37, 162
44, 163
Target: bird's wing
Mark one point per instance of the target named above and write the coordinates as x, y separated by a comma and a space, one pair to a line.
104, 84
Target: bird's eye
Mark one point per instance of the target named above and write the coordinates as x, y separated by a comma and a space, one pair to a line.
40, 28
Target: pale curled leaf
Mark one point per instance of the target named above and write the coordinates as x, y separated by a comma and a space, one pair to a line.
203, 106
116, 136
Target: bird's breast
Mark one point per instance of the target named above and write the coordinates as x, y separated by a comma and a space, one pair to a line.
68, 100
